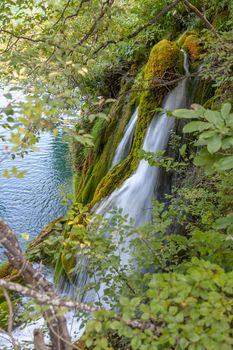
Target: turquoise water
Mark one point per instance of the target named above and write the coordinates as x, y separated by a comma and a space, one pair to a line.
30, 203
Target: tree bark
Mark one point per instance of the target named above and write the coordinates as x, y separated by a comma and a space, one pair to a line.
39, 340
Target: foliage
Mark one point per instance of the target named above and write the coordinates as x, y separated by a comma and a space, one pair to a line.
192, 310
215, 130
217, 64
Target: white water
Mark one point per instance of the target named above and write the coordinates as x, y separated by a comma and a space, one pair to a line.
124, 146
135, 195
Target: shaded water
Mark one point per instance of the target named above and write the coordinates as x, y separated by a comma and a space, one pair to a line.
30, 203
124, 146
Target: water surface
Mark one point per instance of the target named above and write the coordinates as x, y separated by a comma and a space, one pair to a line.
30, 203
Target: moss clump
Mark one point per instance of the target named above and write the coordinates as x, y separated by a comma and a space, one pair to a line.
192, 44
96, 167
46, 245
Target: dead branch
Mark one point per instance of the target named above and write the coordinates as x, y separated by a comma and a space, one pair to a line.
39, 340
158, 84
55, 301
35, 279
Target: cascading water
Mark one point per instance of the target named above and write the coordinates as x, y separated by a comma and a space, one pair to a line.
124, 146
134, 196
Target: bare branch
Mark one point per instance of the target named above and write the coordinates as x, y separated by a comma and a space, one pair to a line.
45, 299
157, 84
39, 340
104, 7
63, 13
201, 16
77, 12
27, 38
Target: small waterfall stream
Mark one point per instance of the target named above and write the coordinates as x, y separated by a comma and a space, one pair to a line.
124, 146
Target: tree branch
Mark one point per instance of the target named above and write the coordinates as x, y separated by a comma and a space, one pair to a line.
34, 278
45, 299
140, 29
104, 7
77, 12
201, 16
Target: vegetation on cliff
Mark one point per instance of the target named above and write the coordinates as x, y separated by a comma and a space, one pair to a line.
107, 58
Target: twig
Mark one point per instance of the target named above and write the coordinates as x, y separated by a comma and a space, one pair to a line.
10, 318
105, 5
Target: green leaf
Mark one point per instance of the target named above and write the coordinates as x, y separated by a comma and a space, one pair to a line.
10, 120
8, 96
225, 163
225, 110
214, 144
196, 126
183, 149
21, 174
25, 236
213, 117
227, 143
185, 113
6, 173
207, 134
14, 171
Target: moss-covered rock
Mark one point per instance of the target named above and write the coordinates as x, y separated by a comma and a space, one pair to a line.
163, 60
97, 165
192, 44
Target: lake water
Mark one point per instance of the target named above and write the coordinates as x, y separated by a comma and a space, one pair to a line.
30, 203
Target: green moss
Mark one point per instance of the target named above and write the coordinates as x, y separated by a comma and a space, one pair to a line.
110, 137
191, 43
46, 246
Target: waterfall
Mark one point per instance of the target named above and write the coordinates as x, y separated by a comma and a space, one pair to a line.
134, 196
124, 146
